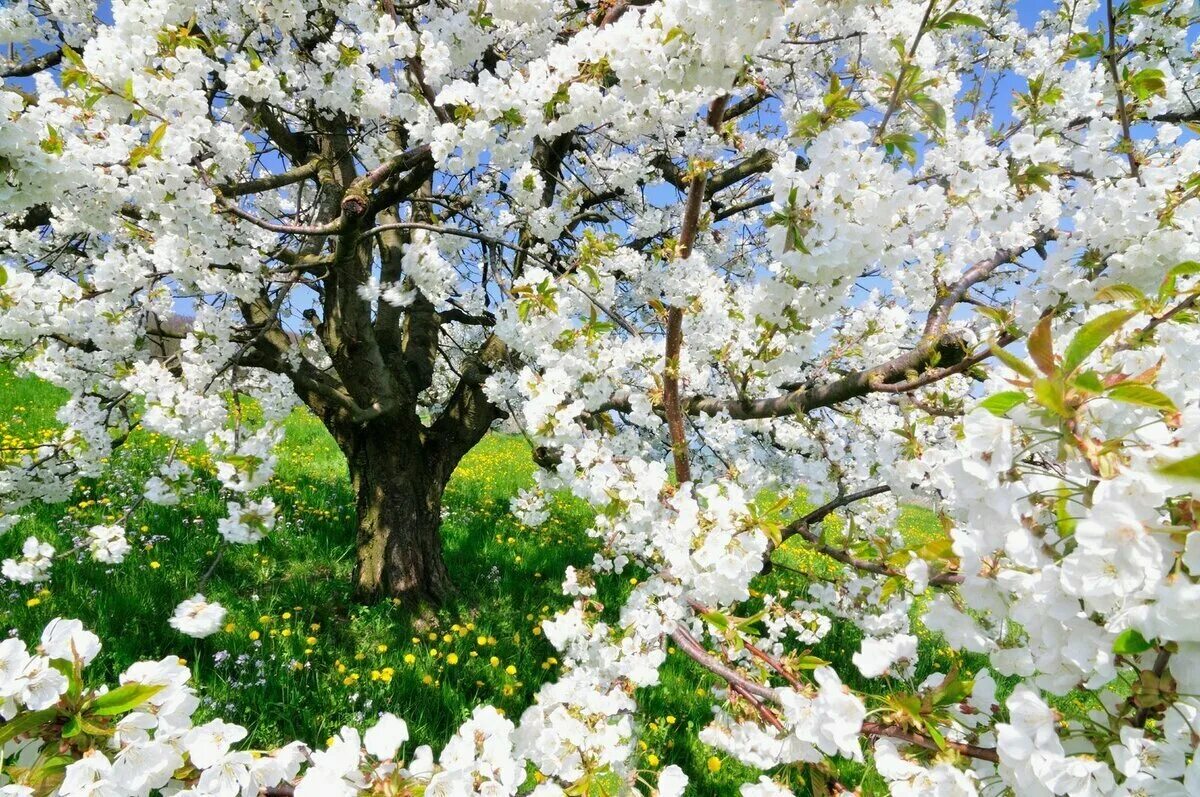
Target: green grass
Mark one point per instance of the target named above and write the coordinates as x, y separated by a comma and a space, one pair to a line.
299, 658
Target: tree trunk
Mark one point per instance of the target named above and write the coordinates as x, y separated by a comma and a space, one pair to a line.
399, 498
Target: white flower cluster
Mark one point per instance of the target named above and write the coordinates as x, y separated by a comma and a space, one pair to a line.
34, 564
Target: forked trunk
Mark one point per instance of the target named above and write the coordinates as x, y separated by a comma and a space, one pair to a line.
399, 545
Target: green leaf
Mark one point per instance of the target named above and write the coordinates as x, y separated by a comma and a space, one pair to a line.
74, 677
24, 723
716, 619
808, 126
1088, 381
1012, 361
932, 729
746, 622
1086, 44
953, 689
1001, 403
74, 727
1137, 8
1038, 174
53, 143
1183, 469
1143, 396
958, 19
71, 57
1062, 512
900, 144
3, 276
157, 136
124, 698
1185, 269
92, 729
1148, 83
50, 768
1120, 291
1090, 336
1049, 394
932, 110
1130, 643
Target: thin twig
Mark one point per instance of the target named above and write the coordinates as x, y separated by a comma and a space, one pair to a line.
674, 343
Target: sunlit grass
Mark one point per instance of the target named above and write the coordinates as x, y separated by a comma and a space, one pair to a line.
298, 658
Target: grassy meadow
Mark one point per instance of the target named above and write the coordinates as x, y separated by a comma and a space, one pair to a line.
298, 658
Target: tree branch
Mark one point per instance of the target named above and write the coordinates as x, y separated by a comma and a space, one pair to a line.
268, 182
33, 65
740, 683
674, 343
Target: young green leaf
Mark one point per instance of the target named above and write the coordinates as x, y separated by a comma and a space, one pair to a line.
1049, 394
124, 698
1143, 396
25, 723
1148, 83
1185, 269
1012, 361
1120, 292
953, 19
1130, 643
1183, 469
1090, 336
1001, 403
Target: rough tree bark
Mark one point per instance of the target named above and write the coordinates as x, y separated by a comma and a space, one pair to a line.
399, 470
398, 548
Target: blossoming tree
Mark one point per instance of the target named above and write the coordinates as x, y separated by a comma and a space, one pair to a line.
848, 254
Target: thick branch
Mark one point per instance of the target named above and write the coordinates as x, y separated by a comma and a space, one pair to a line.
458, 315
939, 313
268, 182
805, 400
33, 65
757, 162
295, 145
